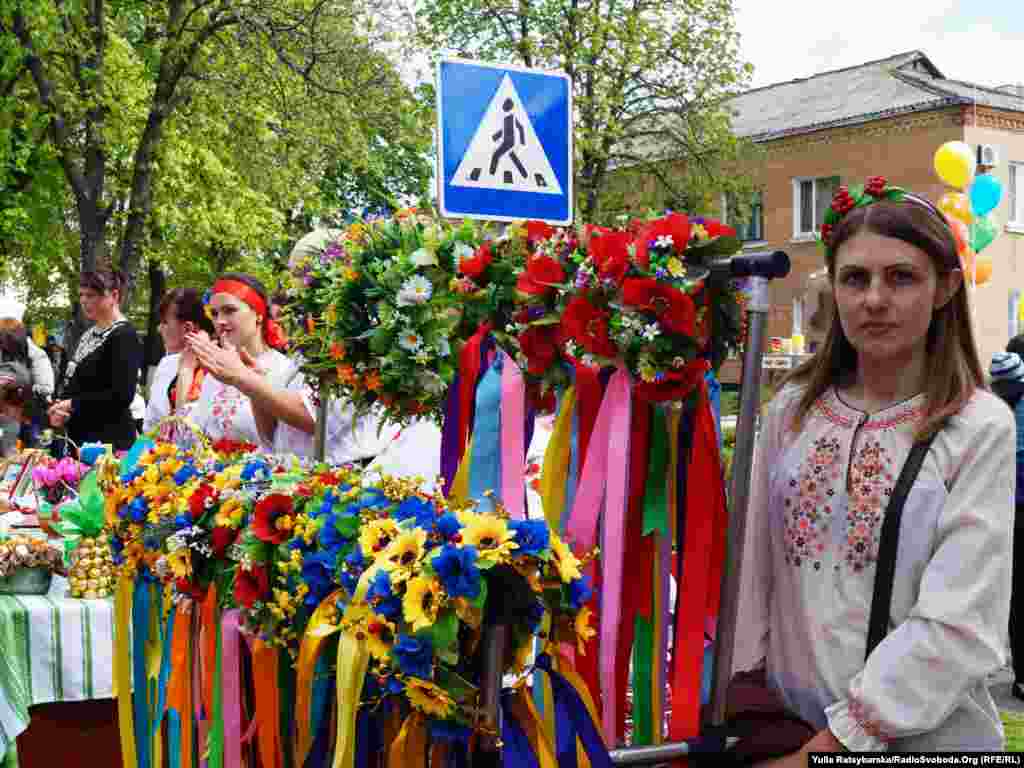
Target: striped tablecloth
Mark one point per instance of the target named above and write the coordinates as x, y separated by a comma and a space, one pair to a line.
52, 648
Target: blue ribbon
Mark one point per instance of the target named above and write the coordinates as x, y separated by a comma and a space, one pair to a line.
715, 396
140, 692
323, 687
485, 462
516, 750
572, 722
167, 638
173, 739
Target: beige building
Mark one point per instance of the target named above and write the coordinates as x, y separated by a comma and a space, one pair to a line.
880, 118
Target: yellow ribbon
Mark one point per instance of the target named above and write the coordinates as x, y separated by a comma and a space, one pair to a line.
320, 628
409, 749
353, 659
459, 492
556, 462
122, 670
533, 725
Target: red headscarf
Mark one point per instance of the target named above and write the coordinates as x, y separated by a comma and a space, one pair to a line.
273, 334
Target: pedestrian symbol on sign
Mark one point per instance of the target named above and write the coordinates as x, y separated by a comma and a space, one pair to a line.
505, 152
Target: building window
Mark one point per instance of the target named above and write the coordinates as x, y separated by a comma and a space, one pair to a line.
811, 198
749, 226
1016, 195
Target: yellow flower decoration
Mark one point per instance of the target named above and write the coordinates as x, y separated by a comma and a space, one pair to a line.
180, 563
565, 561
428, 698
376, 535
403, 555
489, 534
675, 267
583, 629
225, 517
380, 637
423, 598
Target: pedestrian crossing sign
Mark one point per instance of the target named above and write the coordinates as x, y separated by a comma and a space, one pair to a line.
504, 142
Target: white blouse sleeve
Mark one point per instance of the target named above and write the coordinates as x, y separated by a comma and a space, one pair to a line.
159, 406
954, 635
751, 646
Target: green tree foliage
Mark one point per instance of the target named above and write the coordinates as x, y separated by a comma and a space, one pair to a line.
650, 82
184, 133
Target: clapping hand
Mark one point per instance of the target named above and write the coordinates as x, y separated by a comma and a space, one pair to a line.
225, 363
59, 413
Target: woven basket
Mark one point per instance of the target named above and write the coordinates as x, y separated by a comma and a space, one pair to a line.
27, 581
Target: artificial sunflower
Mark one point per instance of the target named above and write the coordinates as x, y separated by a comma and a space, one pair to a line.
430, 699
423, 598
403, 555
583, 629
490, 535
376, 535
380, 637
566, 562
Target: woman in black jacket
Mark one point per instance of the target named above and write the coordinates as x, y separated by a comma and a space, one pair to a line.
99, 381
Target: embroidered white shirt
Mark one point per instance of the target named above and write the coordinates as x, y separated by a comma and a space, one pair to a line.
818, 499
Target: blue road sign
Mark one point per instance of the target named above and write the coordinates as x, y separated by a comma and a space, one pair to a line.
505, 142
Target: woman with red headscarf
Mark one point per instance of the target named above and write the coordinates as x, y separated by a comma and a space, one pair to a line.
254, 392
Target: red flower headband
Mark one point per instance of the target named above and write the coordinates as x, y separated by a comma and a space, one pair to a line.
273, 334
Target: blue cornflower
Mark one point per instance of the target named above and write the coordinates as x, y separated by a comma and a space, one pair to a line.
318, 574
456, 568
256, 469
182, 521
138, 509
414, 656
421, 510
327, 504
90, 452
185, 474
117, 549
448, 525
532, 536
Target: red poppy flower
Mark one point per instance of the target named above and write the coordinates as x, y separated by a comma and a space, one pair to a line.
673, 308
588, 326
715, 228
475, 266
610, 253
222, 538
540, 345
267, 517
673, 385
202, 499
251, 586
538, 230
541, 275
675, 225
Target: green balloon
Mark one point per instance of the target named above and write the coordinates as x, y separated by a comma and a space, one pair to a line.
983, 232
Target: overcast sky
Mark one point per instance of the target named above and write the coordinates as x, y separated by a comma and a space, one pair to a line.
979, 41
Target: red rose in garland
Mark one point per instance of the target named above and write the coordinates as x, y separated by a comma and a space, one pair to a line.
610, 253
716, 228
541, 275
540, 345
251, 586
222, 538
272, 518
673, 385
475, 266
673, 308
588, 326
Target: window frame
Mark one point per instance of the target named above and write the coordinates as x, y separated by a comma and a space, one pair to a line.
798, 182
726, 219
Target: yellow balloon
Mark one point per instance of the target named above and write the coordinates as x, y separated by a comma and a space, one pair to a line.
955, 164
982, 271
956, 205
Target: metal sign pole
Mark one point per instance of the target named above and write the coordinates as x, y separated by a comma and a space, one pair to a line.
746, 425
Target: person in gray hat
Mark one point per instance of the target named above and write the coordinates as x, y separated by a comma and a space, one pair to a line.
1006, 373
15, 394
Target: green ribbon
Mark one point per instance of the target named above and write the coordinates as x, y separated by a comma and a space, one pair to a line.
643, 670
655, 498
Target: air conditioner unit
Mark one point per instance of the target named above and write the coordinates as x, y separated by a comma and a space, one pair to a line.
988, 154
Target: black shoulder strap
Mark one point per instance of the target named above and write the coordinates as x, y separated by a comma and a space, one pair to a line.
885, 566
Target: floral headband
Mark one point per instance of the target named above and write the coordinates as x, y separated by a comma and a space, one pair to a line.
876, 189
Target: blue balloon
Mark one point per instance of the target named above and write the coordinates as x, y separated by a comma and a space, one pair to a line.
986, 192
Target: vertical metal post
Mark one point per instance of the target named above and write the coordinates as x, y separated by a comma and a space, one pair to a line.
320, 429
746, 423
494, 644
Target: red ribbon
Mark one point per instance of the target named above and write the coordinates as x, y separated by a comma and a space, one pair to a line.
469, 372
273, 334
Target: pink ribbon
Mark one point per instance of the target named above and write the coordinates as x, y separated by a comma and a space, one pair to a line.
231, 682
513, 439
605, 482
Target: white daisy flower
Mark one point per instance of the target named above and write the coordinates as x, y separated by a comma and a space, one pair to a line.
409, 340
416, 290
663, 241
651, 332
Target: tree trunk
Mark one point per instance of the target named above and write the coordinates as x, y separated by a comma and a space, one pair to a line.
142, 198
154, 346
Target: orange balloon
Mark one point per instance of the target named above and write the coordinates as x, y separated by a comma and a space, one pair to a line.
982, 271
956, 205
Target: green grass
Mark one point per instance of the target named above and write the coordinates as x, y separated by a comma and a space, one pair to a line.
1013, 724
